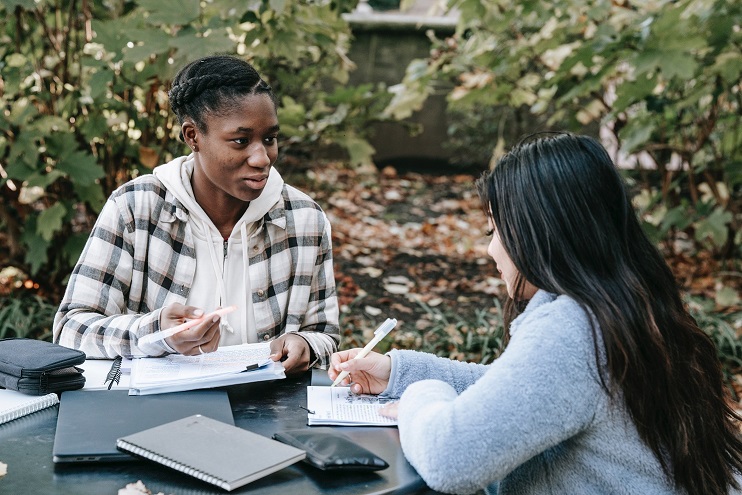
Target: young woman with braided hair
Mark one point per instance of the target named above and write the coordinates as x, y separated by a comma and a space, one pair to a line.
606, 385
218, 227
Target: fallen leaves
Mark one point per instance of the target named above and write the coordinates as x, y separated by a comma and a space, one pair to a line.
137, 488
403, 242
398, 285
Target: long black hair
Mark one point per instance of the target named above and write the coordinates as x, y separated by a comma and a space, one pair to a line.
564, 216
211, 84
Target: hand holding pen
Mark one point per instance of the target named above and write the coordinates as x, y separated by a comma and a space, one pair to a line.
198, 334
370, 370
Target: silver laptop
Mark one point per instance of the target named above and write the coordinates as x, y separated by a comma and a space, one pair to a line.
90, 421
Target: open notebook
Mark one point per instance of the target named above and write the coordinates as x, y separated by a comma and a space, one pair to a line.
339, 406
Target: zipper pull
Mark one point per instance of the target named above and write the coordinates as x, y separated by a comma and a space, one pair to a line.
43, 382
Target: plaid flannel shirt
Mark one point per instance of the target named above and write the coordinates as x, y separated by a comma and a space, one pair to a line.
141, 257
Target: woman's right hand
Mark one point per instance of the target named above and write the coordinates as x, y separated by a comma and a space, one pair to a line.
368, 375
199, 339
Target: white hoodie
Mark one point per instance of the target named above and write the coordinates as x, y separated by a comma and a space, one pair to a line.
222, 266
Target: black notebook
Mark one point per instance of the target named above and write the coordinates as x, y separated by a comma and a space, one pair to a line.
234, 457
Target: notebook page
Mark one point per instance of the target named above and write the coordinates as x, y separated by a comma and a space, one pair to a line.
177, 368
338, 406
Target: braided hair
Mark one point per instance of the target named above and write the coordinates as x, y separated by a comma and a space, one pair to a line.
210, 84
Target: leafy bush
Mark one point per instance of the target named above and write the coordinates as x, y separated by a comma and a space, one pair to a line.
84, 103
473, 338
26, 315
660, 79
721, 328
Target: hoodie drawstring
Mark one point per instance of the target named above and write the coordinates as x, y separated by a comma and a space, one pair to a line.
247, 307
221, 290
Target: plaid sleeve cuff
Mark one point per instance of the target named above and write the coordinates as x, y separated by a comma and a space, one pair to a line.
322, 346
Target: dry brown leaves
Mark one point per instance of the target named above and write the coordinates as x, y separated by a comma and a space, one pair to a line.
433, 226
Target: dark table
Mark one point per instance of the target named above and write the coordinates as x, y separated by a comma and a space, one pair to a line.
263, 407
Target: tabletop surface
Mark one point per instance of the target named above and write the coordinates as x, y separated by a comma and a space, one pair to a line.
263, 407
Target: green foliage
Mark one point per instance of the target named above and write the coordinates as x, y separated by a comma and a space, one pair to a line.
83, 90
661, 79
474, 338
721, 328
27, 316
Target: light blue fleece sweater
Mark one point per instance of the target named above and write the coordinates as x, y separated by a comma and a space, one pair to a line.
535, 421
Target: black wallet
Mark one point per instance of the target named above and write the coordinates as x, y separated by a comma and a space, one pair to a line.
328, 449
37, 367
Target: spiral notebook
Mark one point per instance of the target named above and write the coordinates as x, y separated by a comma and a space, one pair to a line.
212, 451
14, 404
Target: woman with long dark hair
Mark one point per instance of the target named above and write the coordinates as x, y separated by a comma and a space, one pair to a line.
606, 384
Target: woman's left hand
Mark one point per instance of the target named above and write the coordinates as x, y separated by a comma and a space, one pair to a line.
389, 410
293, 351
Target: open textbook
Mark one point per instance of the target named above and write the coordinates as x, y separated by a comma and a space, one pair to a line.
228, 365
339, 406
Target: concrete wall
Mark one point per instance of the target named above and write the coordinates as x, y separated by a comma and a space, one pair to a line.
383, 45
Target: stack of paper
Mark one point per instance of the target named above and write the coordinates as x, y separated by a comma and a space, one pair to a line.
228, 365
338, 406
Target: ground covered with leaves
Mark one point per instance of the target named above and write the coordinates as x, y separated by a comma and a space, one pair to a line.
410, 246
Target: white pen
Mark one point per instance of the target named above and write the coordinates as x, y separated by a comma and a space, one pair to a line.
379, 334
155, 337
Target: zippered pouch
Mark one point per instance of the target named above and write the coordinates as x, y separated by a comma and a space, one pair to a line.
330, 450
37, 367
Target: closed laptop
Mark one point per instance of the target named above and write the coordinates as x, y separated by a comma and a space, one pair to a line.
90, 421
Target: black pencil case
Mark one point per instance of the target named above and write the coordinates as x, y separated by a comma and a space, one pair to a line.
331, 450
37, 367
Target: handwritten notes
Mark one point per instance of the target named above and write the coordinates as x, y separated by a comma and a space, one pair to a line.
338, 406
